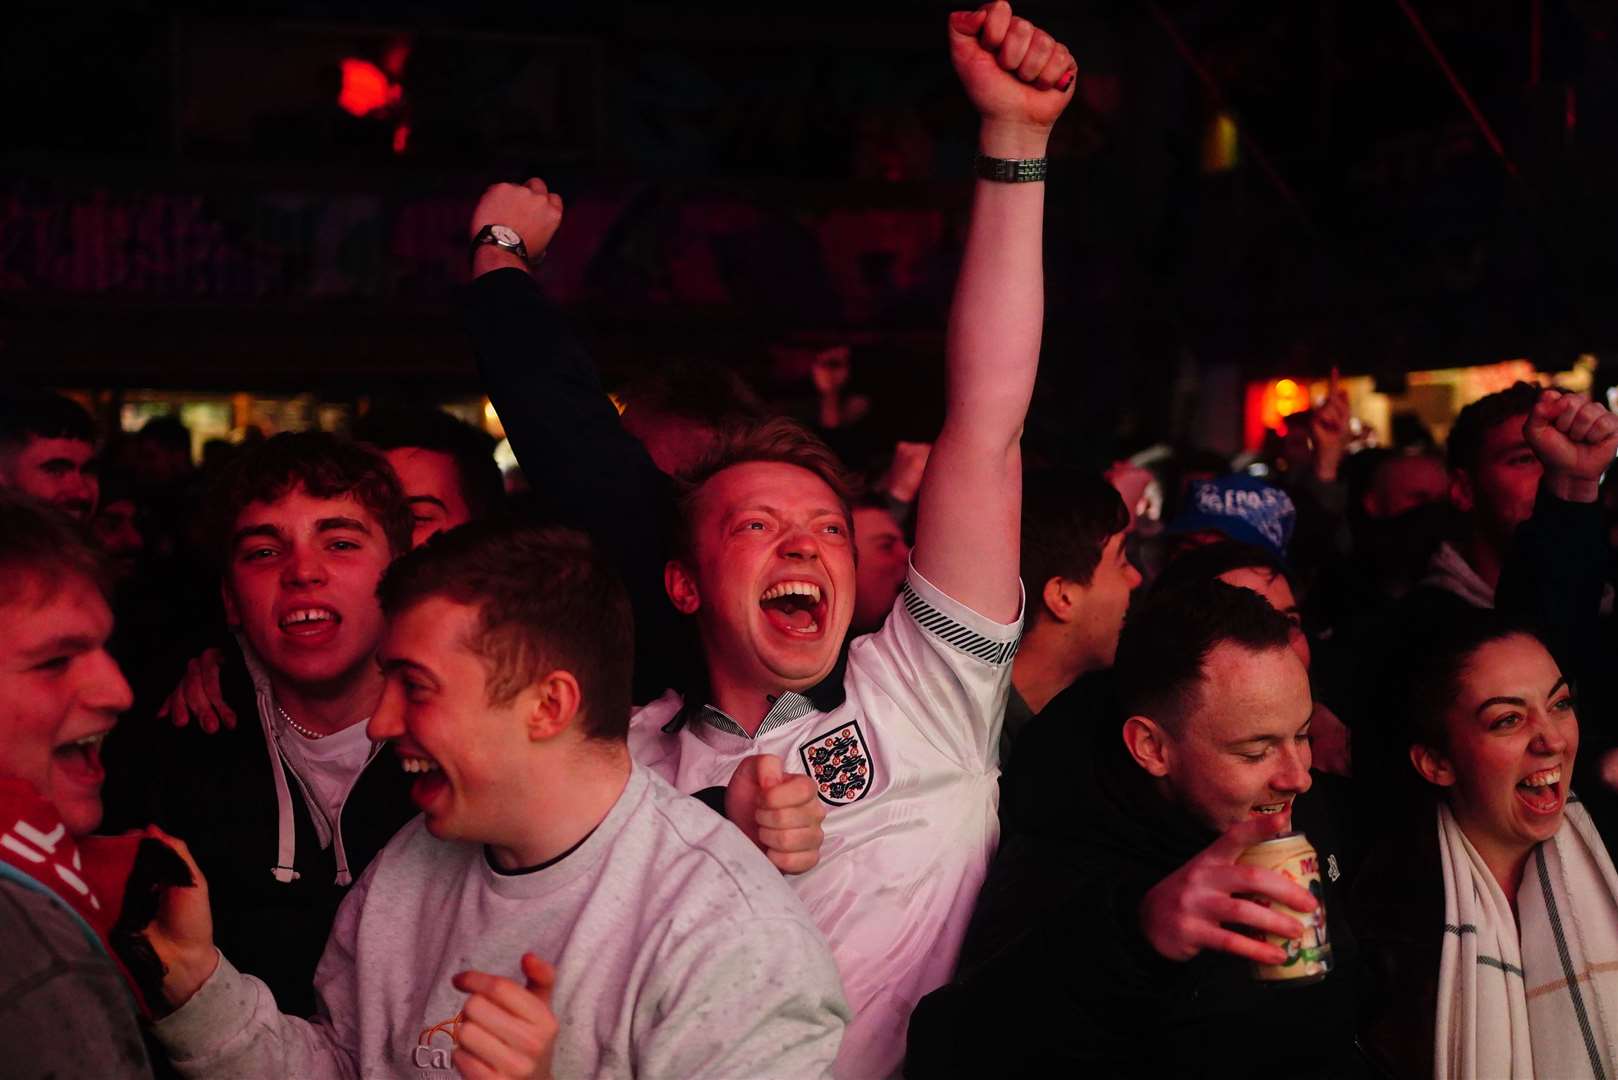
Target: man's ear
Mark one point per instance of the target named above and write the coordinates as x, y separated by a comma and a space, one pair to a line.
681, 585
1434, 767
555, 703
1460, 490
1061, 599
233, 613
1148, 744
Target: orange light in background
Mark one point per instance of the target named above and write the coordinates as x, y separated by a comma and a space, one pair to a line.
1220, 144
366, 88
1268, 406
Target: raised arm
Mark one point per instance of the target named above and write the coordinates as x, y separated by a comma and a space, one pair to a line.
577, 456
1020, 80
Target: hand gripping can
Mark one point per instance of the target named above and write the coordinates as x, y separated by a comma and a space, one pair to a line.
1309, 957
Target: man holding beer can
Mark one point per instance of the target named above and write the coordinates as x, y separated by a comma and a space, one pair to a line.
1178, 908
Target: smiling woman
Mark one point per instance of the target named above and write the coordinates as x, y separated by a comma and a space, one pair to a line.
1525, 950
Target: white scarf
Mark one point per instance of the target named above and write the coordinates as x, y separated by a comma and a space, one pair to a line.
1542, 1001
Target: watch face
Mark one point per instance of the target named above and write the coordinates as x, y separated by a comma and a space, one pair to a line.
505, 236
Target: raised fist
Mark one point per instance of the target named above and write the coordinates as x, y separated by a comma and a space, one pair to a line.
1329, 430
1014, 73
531, 209
1575, 439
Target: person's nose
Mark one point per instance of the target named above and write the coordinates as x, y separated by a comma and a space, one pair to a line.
305, 567
1292, 775
387, 722
1550, 740
798, 543
108, 689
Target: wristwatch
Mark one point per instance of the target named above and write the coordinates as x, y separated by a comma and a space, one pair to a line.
1011, 170
501, 236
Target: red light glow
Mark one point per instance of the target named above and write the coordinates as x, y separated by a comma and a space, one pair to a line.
366, 88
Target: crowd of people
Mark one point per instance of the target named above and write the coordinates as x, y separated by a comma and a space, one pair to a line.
713, 757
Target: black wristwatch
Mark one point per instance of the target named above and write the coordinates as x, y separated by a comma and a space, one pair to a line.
501, 236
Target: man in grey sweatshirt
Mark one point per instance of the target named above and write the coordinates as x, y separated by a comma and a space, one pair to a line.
556, 909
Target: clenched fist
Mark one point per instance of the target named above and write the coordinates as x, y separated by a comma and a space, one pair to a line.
779, 813
1575, 439
1017, 76
532, 210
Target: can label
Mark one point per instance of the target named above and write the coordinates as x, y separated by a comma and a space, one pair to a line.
1309, 957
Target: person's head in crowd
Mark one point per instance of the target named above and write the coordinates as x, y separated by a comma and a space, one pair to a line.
765, 558
884, 559
1217, 703
446, 466
1074, 566
678, 410
1490, 724
1234, 507
1400, 483
46, 443
1246, 567
304, 525
60, 692
1493, 473
164, 457
116, 526
508, 656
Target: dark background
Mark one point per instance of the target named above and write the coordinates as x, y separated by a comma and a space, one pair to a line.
184, 205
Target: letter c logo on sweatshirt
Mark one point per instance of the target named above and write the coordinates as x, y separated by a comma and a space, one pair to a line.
428, 1056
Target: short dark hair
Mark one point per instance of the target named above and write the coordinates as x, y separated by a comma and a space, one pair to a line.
1425, 677
25, 416
705, 393
1205, 562
325, 466
40, 549
775, 440
1475, 421
546, 597
1168, 635
168, 433
393, 428
1068, 516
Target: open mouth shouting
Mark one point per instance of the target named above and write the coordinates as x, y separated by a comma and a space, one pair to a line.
795, 607
310, 624
80, 759
431, 781
1542, 791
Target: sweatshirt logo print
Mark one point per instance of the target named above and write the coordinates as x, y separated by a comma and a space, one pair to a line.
839, 763
428, 1056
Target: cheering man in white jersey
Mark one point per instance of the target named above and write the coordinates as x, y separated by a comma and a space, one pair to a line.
901, 736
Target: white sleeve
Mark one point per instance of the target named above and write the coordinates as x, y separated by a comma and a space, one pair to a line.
753, 997
232, 1028
946, 667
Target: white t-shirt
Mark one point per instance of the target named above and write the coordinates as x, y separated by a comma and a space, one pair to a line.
909, 769
328, 768
679, 951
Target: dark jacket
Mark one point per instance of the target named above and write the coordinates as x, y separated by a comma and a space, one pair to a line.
217, 793
1057, 978
581, 462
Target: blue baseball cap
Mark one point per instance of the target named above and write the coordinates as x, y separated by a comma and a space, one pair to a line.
1241, 507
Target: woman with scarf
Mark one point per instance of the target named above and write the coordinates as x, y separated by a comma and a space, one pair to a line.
1491, 920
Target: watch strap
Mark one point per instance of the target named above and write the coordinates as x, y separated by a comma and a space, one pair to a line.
1011, 170
486, 235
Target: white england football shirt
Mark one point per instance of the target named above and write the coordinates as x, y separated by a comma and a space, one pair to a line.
908, 766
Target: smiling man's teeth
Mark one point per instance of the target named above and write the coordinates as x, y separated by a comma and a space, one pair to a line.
1543, 778
90, 741
1270, 808
417, 764
308, 615
792, 588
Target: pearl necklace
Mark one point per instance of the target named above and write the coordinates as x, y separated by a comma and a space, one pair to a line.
299, 728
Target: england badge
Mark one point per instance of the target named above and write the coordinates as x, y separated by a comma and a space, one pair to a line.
839, 763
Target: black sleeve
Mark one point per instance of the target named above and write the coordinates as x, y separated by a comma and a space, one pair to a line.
1554, 579
578, 458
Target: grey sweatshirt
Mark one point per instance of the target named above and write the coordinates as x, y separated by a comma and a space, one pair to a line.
680, 952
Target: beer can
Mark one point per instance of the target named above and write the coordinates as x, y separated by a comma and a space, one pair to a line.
1309, 957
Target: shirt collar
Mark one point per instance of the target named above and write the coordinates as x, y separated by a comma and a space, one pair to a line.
824, 696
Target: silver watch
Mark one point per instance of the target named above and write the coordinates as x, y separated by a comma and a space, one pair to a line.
501, 236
